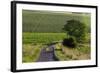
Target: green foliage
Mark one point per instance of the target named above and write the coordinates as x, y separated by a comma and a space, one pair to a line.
70, 42
76, 28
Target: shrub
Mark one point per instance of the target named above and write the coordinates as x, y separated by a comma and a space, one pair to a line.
70, 42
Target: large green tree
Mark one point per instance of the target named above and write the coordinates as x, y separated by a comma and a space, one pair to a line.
77, 29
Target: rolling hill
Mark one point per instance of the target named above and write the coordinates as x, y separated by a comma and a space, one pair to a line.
50, 21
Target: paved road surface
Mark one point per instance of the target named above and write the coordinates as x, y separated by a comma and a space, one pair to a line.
46, 55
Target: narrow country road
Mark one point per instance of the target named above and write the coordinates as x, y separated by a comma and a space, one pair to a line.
46, 55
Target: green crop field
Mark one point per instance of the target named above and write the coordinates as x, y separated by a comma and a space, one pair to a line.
43, 21
42, 28
43, 38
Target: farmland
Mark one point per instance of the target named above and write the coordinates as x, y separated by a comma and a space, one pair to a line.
42, 38
44, 28
43, 21
33, 43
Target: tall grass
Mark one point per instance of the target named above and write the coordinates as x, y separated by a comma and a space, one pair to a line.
30, 52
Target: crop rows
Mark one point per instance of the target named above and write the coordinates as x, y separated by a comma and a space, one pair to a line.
43, 21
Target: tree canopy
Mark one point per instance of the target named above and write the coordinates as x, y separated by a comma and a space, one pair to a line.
75, 28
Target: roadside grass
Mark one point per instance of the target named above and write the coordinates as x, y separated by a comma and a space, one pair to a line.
84, 48
30, 52
82, 52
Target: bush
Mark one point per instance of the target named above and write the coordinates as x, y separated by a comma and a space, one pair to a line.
70, 42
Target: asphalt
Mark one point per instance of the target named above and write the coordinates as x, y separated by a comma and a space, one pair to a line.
46, 55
